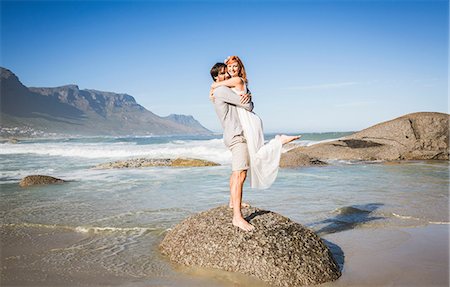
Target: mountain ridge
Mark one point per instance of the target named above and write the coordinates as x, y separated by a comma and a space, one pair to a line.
70, 110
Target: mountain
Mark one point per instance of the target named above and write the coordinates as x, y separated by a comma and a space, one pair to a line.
184, 120
69, 110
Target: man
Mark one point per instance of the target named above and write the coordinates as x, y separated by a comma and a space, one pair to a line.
225, 104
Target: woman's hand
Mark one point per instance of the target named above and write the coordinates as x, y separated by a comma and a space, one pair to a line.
246, 98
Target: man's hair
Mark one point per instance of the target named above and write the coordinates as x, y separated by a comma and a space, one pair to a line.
216, 69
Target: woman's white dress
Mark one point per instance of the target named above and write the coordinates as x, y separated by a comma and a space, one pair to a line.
264, 158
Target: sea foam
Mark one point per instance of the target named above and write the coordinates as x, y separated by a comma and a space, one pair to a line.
212, 149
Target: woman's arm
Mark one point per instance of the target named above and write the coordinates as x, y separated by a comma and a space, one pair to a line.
231, 83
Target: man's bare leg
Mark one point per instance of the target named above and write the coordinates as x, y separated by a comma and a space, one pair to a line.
236, 185
231, 191
243, 204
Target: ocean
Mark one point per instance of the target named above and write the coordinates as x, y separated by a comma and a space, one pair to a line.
104, 226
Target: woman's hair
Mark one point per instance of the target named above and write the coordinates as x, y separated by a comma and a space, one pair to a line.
215, 70
242, 73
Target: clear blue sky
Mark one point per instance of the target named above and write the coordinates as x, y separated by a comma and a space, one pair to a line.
312, 65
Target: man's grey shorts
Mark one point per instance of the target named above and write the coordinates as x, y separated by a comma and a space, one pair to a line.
239, 156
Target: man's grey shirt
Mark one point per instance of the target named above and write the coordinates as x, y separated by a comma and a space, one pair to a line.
226, 103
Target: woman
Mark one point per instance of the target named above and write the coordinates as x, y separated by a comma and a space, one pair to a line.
264, 158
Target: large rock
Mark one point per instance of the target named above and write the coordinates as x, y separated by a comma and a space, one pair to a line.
300, 159
39, 179
417, 136
279, 251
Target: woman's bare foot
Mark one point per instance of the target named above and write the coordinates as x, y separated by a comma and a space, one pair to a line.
287, 139
242, 224
244, 205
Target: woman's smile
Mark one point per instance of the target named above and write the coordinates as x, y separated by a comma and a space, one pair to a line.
233, 69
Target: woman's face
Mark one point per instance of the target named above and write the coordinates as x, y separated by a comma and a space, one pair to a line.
233, 69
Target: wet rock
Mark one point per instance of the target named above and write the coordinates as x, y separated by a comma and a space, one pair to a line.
279, 251
148, 162
186, 162
39, 179
13, 141
296, 159
416, 136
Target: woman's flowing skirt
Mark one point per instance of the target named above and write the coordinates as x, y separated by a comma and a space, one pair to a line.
264, 158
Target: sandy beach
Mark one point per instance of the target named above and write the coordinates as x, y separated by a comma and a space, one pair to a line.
372, 257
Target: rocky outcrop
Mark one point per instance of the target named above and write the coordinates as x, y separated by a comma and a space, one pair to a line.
39, 179
279, 251
297, 159
192, 162
148, 162
417, 136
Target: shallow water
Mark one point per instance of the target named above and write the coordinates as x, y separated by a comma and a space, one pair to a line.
122, 215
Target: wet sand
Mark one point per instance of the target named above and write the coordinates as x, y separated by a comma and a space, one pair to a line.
416, 256
389, 256
23, 263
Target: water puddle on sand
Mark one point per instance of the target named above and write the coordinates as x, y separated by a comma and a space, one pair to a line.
62, 253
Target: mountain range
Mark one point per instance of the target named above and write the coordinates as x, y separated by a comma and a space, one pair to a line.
70, 111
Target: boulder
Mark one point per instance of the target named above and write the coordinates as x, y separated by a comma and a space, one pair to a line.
279, 251
416, 136
39, 179
300, 159
148, 162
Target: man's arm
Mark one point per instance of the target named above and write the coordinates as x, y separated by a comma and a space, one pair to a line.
226, 95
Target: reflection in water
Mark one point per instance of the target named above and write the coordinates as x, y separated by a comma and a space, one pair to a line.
348, 218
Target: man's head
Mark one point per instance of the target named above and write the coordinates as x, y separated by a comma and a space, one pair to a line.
219, 72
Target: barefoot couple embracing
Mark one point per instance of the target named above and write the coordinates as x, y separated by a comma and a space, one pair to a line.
243, 135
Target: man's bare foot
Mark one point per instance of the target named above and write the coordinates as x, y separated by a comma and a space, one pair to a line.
242, 224
287, 139
244, 205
